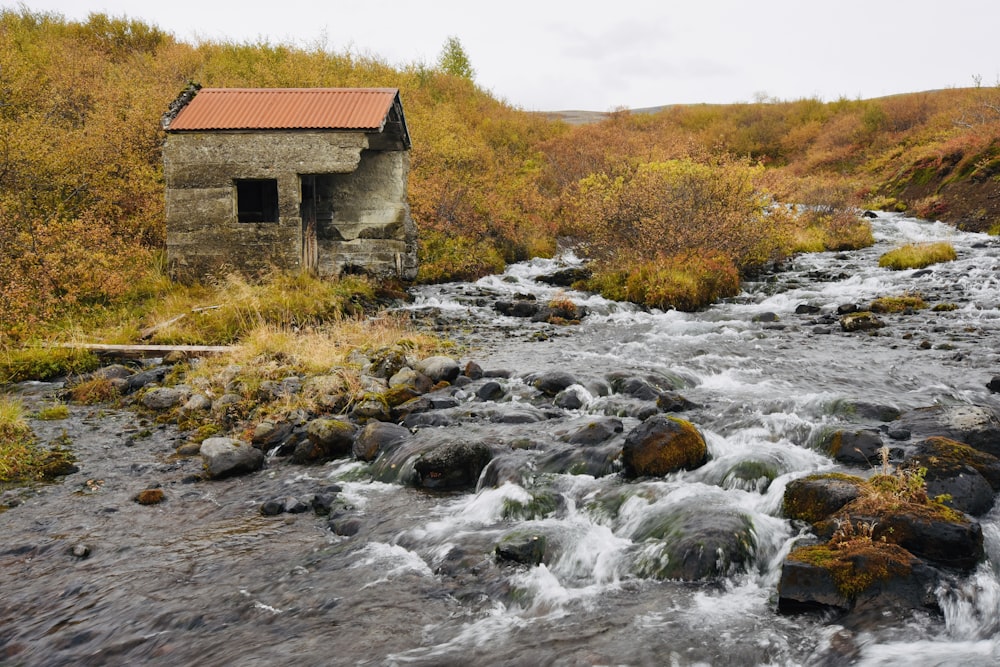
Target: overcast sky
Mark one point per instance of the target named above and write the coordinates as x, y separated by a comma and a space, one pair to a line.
598, 56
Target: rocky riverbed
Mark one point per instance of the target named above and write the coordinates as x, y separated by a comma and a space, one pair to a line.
587, 483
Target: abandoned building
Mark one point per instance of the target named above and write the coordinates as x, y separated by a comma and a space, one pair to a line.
307, 179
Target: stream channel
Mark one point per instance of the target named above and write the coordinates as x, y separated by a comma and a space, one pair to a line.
89, 577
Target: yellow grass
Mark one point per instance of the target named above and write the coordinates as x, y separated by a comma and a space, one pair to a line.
917, 256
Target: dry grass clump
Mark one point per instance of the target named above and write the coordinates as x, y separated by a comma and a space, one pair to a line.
234, 307
322, 354
917, 256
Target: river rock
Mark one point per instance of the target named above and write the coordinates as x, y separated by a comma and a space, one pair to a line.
860, 321
595, 432
520, 415
386, 362
417, 405
661, 445
857, 447
967, 476
973, 425
817, 497
693, 543
165, 398
521, 546
377, 438
565, 277
322, 503
327, 439
473, 371
426, 420
139, 380
571, 398
268, 434
671, 401
407, 377
452, 466
856, 577
490, 391
327, 391
637, 388
596, 460
953, 542
518, 308
197, 403
226, 457
439, 368
553, 382
371, 408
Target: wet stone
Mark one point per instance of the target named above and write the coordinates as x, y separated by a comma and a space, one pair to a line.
322, 503
272, 507
596, 432
80, 551
490, 391
344, 526
553, 382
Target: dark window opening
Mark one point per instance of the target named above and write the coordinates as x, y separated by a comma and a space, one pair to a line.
257, 200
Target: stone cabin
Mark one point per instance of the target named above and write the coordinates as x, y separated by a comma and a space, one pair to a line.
309, 179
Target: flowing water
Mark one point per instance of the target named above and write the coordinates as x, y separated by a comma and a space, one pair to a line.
204, 579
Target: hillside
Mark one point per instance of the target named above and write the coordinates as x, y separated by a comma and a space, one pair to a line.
81, 191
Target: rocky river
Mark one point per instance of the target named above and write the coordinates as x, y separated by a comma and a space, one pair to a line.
552, 556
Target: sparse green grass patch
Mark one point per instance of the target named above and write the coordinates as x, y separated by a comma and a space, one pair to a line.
21, 459
897, 304
918, 256
53, 412
38, 362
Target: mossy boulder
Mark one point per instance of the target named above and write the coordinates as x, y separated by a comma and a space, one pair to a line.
948, 540
938, 452
965, 478
818, 497
326, 439
853, 576
661, 445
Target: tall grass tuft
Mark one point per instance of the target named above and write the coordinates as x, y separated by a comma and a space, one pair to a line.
917, 256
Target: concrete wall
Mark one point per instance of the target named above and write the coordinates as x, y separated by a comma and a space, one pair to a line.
367, 224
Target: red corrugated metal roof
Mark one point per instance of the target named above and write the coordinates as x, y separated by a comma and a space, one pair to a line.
286, 109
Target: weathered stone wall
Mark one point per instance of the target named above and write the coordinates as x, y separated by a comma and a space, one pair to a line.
371, 225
